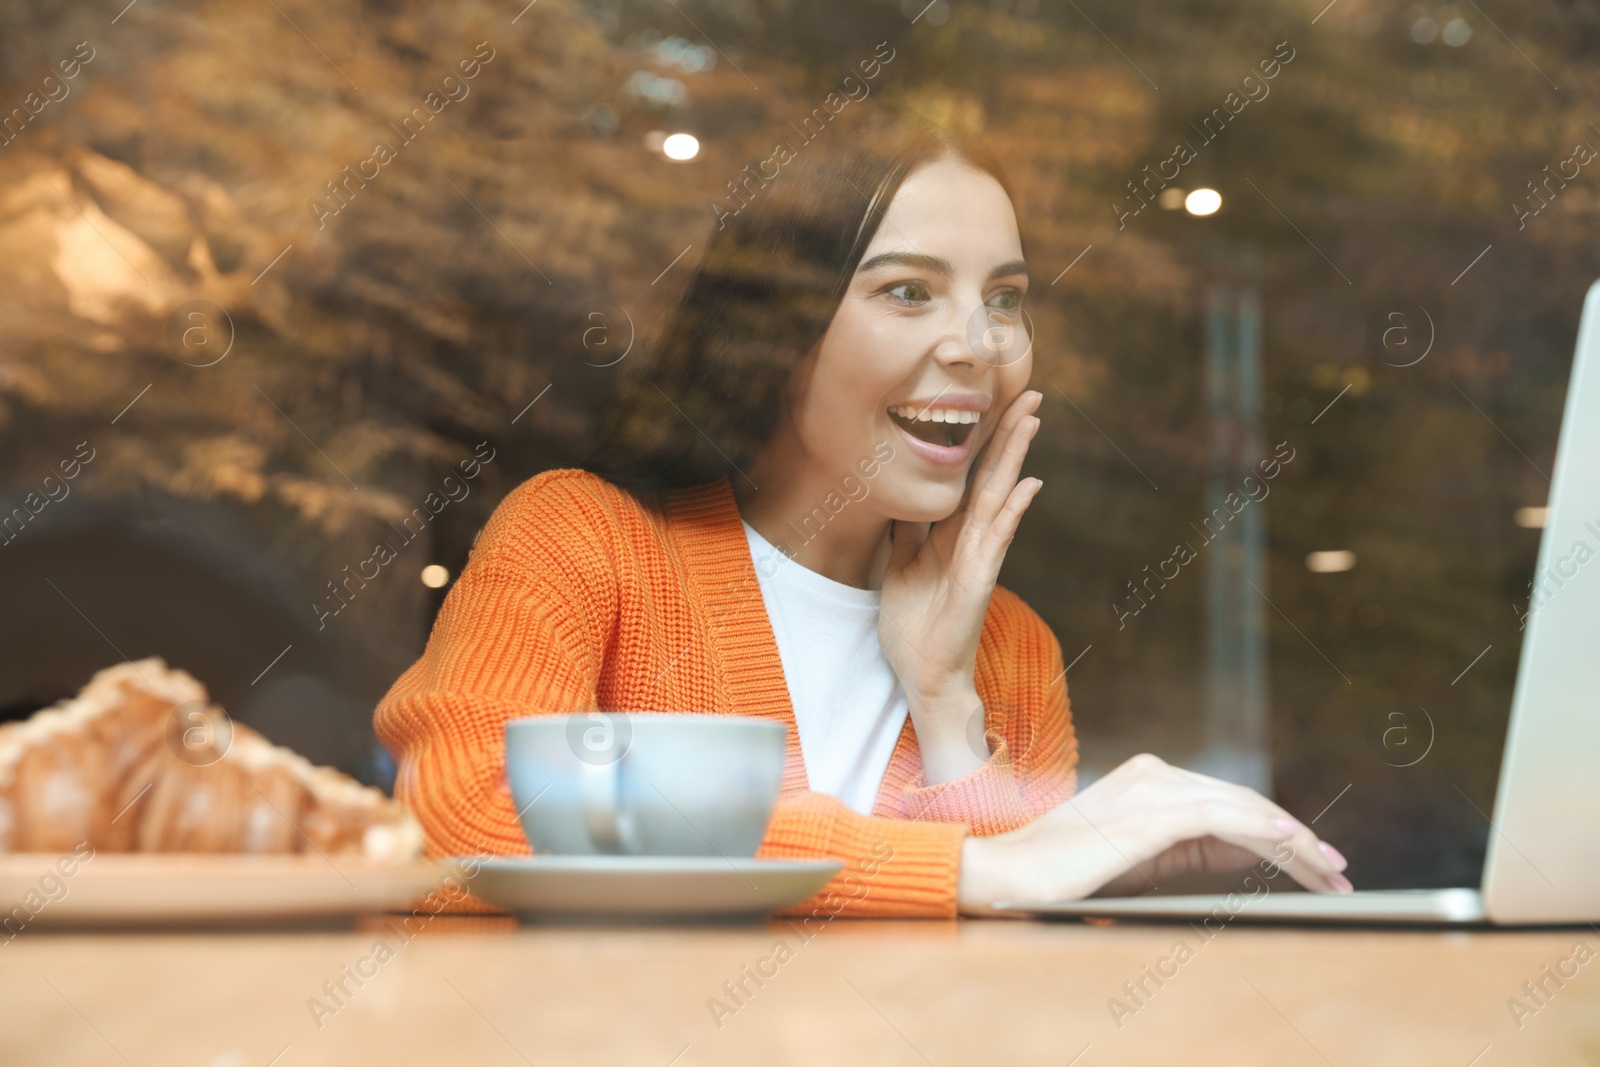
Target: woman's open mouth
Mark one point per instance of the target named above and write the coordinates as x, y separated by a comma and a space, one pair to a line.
945, 427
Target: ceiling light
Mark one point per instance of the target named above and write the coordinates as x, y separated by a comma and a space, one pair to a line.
1331, 562
681, 146
1203, 202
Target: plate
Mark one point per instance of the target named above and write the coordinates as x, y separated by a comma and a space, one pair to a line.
645, 888
199, 889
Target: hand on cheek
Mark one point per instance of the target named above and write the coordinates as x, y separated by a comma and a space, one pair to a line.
936, 593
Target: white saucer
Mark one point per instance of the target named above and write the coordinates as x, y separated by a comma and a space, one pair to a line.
645, 887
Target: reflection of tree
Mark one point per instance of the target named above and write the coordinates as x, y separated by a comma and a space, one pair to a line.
458, 284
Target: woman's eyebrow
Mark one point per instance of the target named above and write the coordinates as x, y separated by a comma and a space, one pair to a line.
1016, 266
937, 264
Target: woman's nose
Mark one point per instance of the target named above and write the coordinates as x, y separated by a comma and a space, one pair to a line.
953, 350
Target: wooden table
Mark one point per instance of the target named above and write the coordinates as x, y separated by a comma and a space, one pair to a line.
999, 992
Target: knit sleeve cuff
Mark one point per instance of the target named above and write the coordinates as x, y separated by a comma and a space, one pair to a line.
895, 868
990, 799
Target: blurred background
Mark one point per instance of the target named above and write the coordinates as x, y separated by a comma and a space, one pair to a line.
263, 345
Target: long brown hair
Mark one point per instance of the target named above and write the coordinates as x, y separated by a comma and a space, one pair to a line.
708, 394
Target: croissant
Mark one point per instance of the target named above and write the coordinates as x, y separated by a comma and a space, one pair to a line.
141, 761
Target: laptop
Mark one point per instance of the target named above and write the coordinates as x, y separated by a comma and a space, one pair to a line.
1543, 859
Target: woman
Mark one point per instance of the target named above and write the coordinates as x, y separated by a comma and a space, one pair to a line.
799, 512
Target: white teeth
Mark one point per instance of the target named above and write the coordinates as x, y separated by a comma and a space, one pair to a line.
956, 415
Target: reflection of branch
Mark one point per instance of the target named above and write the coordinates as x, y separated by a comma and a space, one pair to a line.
96, 229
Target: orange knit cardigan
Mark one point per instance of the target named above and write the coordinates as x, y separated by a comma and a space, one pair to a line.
578, 598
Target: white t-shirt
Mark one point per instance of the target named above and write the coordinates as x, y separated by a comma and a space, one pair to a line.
848, 704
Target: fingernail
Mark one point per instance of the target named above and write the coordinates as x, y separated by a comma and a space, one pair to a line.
1341, 883
1288, 826
1334, 856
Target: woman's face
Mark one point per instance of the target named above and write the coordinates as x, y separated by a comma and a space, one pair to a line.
926, 350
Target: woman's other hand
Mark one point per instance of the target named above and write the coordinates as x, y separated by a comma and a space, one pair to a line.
936, 592
1139, 825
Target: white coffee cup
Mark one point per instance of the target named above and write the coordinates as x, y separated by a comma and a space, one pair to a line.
644, 783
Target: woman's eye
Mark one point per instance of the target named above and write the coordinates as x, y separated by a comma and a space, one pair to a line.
1008, 301
909, 293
